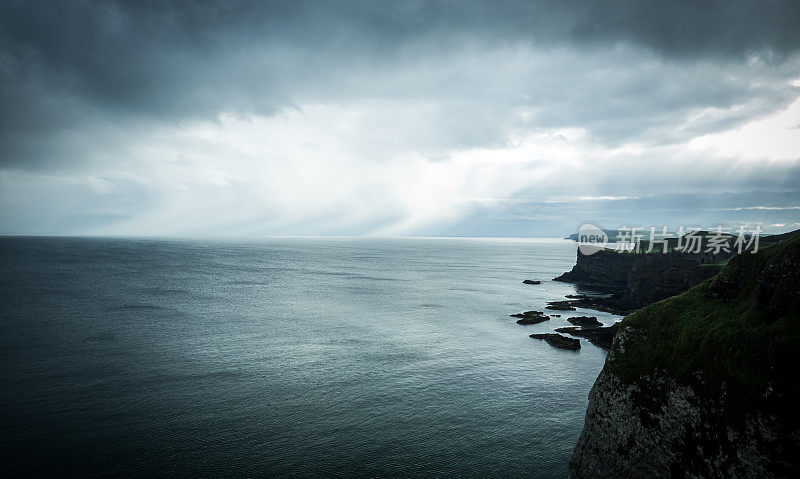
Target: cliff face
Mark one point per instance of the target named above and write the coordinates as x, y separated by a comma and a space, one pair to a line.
683, 440
702, 384
604, 268
641, 279
656, 277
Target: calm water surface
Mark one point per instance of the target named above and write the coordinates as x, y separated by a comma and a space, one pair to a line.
291, 357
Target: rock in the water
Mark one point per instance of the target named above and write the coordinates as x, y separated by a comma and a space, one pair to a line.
584, 321
531, 281
531, 317
560, 306
559, 341
602, 337
526, 313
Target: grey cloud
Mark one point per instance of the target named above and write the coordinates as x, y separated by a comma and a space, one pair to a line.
94, 90
64, 65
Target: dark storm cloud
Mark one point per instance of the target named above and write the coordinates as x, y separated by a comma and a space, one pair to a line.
298, 117
66, 67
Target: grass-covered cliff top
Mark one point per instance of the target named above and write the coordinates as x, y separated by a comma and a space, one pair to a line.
738, 332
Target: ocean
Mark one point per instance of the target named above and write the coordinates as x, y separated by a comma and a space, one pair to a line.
287, 357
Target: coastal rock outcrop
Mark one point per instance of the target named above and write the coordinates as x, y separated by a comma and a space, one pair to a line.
531, 317
584, 321
560, 306
604, 269
638, 279
559, 341
602, 337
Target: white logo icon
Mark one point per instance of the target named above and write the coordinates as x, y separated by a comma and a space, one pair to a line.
591, 239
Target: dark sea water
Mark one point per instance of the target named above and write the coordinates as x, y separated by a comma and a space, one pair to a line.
286, 357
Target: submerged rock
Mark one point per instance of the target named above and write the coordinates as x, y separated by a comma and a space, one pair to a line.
559, 341
531, 281
584, 321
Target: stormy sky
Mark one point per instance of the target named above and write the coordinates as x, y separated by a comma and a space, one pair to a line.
397, 118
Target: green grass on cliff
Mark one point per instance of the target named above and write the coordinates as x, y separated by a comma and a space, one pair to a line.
738, 332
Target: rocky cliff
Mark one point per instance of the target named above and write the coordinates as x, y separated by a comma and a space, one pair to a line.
702, 384
654, 277
605, 269
637, 280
